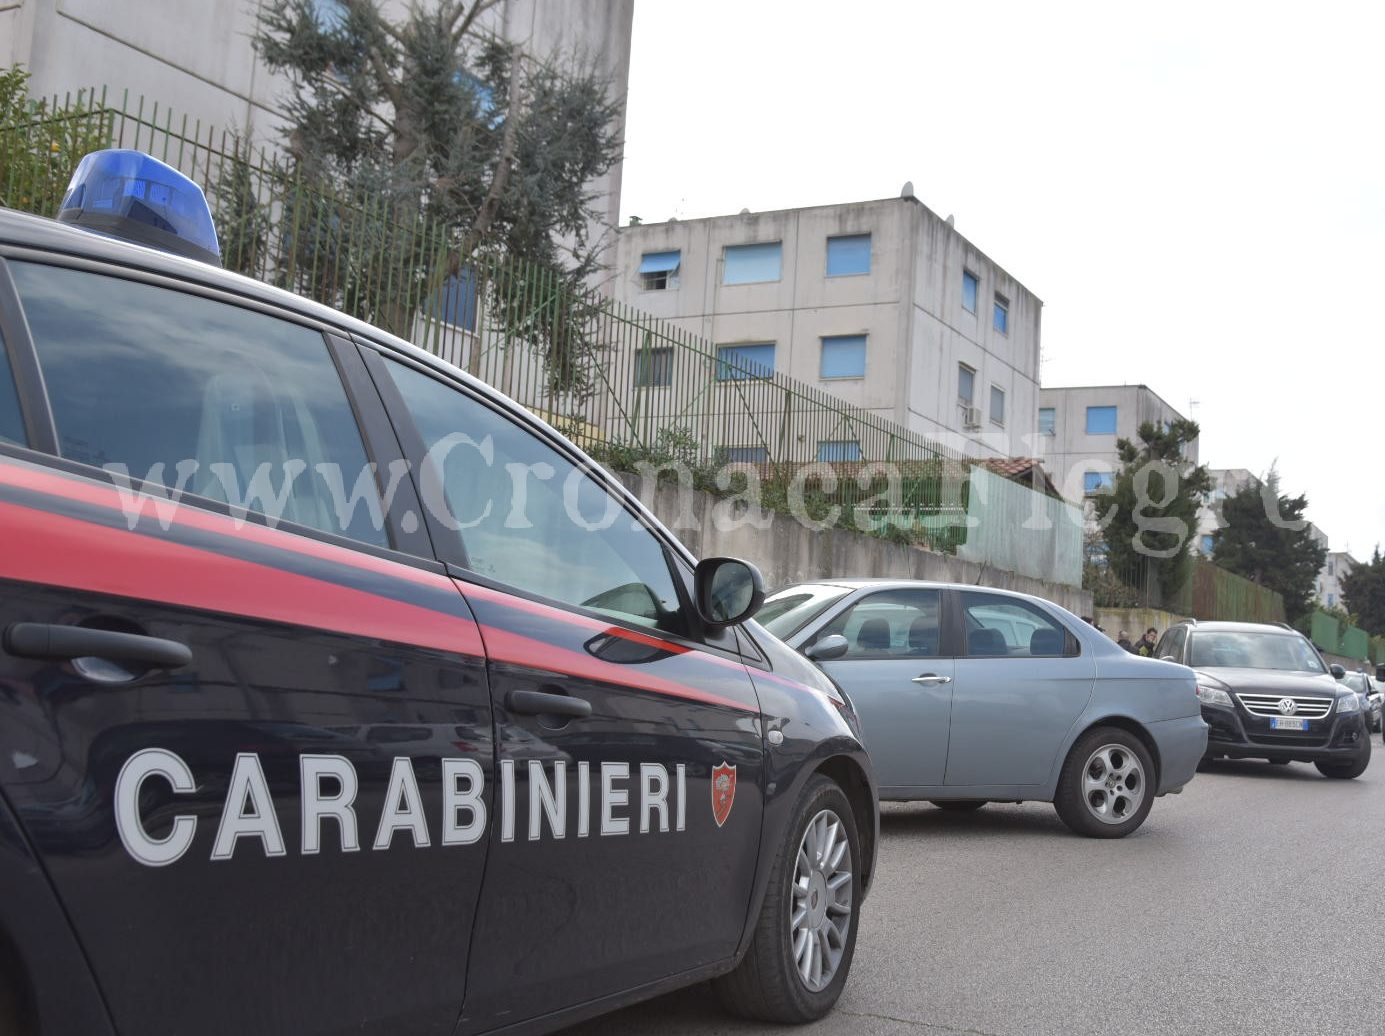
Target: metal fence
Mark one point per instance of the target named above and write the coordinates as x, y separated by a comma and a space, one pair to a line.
626, 386
1336, 636
1210, 592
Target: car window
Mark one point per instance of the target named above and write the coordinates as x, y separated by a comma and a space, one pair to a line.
199, 396
11, 421
529, 517
1235, 649
891, 624
1172, 643
1356, 681
1004, 627
787, 611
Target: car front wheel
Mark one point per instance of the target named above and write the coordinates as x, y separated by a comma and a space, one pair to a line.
1347, 770
1106, 788
801, 950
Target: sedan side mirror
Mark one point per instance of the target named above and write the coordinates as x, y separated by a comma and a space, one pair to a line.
832, 646
727, 591
1337, 671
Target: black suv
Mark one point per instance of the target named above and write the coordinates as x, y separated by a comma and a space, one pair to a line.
1267, 694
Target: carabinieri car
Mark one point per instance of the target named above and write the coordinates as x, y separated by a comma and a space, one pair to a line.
301, 731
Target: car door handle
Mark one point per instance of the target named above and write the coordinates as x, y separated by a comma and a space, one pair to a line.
931, 678
540, 703
56, 642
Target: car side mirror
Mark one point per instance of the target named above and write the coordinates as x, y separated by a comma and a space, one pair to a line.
727, 591
1337, 671
832, 646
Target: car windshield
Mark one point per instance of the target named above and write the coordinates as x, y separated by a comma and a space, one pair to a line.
787, 611
1238, 649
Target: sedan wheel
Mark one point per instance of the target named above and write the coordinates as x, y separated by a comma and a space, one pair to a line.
801, 950
1107, 785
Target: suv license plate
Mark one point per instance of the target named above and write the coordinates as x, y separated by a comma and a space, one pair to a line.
1287, 723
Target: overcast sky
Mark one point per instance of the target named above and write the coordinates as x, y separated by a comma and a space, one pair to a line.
1195, 191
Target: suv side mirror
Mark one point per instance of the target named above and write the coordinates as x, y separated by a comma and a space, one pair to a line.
1337, 671
832, 646
726, 591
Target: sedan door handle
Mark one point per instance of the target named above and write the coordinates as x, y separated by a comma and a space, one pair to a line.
931, 678
540, 703
63, 643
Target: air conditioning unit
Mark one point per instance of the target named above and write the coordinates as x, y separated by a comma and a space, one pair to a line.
971, 417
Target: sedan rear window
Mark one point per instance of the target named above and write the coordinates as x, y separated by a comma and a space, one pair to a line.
1245, 649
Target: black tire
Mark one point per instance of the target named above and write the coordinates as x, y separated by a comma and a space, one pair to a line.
1069, 799
959, 805
766, 985
1349, 770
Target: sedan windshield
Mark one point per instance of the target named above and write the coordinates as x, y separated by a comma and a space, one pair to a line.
1249, 650
787, 611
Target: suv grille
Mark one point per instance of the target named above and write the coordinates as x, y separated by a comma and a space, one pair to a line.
1268, 705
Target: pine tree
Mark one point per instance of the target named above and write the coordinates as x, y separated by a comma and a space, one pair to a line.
1363, 589
1266, 539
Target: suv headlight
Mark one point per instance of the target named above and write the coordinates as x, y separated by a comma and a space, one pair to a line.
1348, 703
1211, 691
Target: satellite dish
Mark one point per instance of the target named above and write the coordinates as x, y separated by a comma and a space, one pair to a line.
950, 221
745, 212
907, 191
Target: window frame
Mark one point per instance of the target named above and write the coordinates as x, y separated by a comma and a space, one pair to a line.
1000, 314
965, 400
975, 294
1072, 644
1000, 421
1115, 419
670, 277
822, 443
739, 373
847, 604
1053, 428
380, 445
653, 355
827, 261
725, 249
1105, 481
823, 340
450, 547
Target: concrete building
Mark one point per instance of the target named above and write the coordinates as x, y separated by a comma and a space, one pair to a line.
1225, 482
1078, 429
1337, 567
881, 303
198, 60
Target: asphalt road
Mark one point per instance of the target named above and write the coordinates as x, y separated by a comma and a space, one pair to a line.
1251, 903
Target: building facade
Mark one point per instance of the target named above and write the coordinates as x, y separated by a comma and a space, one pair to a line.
1078, 428
881, 303
143, 48
1225, 482
1336, 568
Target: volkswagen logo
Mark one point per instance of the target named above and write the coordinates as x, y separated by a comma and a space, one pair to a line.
1287, 706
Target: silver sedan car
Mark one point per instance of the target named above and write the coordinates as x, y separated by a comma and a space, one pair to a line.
969, 695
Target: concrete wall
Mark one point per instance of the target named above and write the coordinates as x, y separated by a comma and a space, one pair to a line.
196, 55
787, 552
909, 307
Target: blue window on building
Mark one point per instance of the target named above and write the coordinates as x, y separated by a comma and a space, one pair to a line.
1002, 314
1048, 421
751, 264
848, 255
1208, 545
659, 270
839, 450
455, 302
1097, 481
969, 287
739, 362
1101, 420
843, 356
1331, 600
745, 454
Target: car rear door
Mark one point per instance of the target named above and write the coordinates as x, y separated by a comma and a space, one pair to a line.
184, 688
1020, 686
899, 676
629, 790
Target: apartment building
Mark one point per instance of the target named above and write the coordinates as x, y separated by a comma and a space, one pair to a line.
1225, 482
218, 82
1078, 428
881, 303
1336, 568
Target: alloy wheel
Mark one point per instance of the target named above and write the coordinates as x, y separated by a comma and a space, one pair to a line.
1113, 784
820, 906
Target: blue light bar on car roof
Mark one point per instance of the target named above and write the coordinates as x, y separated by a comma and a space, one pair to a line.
130, 195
